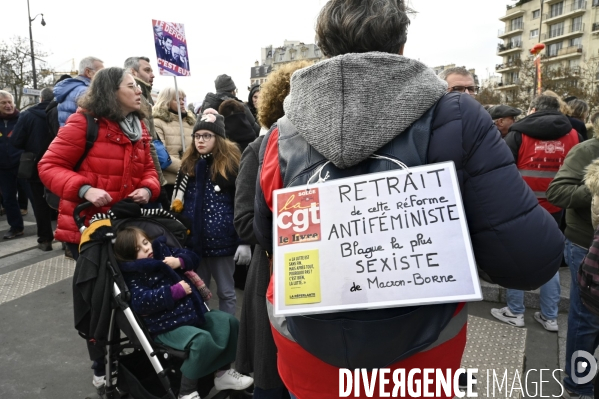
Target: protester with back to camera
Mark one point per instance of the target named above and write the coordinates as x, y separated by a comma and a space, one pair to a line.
514, 240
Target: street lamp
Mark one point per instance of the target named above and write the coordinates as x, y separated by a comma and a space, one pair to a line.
31, 43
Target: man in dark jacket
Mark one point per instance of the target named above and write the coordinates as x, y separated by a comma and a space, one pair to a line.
9, 165
332, 121
504, 117
32, 134
539, 143
568, 191
226, 90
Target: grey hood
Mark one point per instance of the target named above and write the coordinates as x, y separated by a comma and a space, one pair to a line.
349, 106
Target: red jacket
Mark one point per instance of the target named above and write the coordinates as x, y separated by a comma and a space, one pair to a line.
113, 164
539, 161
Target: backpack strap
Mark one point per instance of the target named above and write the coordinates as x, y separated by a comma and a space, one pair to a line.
91, 136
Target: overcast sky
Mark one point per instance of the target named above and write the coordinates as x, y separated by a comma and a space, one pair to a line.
225, 36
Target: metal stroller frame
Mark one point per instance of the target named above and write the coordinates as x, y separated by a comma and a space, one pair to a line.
121, 298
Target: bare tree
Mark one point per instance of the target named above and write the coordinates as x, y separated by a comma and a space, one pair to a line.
15, 67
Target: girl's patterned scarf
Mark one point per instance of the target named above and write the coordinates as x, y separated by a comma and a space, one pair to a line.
182, 180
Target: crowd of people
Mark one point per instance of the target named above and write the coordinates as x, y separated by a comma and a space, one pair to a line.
99, 137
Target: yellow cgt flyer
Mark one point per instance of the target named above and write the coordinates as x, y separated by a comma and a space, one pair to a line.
302, 274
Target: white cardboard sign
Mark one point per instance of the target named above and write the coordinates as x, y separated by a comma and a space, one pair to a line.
389, 239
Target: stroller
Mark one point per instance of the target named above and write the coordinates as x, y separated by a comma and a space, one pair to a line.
136, 365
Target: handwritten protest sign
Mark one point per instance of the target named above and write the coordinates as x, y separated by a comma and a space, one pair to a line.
396, 238
171, 48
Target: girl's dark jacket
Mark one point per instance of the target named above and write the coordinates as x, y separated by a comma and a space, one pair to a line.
150, 280
212, 207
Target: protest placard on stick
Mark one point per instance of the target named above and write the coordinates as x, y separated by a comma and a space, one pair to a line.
171, 48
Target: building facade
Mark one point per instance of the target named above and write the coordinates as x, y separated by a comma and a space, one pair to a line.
569, 29
274, 57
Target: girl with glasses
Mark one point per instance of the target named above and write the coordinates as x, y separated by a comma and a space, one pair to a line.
203, 195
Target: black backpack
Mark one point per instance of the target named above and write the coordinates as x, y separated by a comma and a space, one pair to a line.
91, 136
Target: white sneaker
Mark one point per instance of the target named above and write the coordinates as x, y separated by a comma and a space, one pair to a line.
99, 381
505, 315
231, 379
193, 395
549, 325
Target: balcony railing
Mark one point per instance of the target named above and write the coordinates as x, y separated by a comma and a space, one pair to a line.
509, 64
565, 51
509, 82
511, 28
509, 46
568, 8
553, 33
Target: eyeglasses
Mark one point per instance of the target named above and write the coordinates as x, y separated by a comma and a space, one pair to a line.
133, 87
205, 137
463, 89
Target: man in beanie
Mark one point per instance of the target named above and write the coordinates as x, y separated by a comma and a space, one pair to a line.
226, 90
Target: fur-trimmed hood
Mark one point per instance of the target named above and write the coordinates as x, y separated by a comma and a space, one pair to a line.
349, 106
591, 177
168, 116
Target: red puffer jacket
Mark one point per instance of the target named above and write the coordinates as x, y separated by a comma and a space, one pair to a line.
113, 164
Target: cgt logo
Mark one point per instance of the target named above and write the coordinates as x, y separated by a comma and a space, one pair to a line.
581, 366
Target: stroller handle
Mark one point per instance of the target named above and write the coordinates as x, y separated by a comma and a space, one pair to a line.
80, 220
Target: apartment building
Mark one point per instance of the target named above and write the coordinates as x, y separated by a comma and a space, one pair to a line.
568, 28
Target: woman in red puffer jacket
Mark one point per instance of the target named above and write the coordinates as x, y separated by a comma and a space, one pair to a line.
119, 164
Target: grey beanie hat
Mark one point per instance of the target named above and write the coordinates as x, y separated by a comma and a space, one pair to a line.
224, 83
212, 122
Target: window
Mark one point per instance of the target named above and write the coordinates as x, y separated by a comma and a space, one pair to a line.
513, 76
577, 42
556, 30
516, 41
554, 49
579, 4
534, 33
574, 64
556, 9
516, 23
576, 24
537, 13
513, 57
317, 50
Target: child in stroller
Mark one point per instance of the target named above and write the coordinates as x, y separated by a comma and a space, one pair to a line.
164, 291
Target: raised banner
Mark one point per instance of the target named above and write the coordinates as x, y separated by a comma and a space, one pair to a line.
390, 239
171, 48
